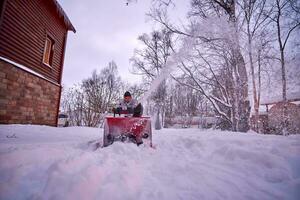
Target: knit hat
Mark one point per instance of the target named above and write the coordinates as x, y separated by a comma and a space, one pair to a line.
127, 94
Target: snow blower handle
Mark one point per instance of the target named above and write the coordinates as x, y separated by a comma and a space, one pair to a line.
117, 111
120, 111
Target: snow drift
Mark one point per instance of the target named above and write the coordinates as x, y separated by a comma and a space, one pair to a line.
40, 162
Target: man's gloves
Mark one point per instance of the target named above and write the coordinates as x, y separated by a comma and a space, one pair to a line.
117, 110
138, 110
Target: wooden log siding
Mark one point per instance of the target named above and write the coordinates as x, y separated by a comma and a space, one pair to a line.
23, 31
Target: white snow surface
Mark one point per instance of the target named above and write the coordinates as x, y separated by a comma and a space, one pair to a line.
41, 162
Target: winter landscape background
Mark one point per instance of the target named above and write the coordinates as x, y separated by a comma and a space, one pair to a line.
219, 79
198, 63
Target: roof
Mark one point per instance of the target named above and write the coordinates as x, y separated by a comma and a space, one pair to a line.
279, 100
61, 13
292, 95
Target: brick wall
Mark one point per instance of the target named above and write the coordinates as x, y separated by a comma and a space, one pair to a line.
26, 98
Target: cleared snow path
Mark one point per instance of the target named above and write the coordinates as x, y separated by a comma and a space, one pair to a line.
40, 162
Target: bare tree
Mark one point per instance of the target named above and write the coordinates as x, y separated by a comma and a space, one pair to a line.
254, 14
285, 27
149, 61
87, 103
212, 12
137, 90
286, 17
72, 103
186, 102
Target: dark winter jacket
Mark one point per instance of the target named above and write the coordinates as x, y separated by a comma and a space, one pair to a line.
132, 107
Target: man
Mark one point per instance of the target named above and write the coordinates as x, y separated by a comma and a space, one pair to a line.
129, 106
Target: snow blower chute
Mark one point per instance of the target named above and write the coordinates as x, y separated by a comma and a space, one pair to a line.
127, 129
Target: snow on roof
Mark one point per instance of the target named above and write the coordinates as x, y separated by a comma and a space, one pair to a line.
64, 16
291, 96
28, 70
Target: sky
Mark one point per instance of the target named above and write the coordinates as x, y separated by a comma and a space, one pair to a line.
105, 31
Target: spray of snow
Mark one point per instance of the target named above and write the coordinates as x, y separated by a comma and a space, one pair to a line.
165, 72
212, 27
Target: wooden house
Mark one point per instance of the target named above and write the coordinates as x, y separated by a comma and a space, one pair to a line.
33, 35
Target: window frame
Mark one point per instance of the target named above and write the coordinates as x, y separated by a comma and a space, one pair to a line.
51, 54
2, 10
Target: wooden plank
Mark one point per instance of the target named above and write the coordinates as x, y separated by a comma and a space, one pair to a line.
23, 35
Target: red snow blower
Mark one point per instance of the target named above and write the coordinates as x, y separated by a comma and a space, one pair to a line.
127, 129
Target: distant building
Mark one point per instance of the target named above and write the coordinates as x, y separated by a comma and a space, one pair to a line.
270, 122
33, 35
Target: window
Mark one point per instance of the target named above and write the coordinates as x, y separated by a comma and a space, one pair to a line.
2, 6
48, 51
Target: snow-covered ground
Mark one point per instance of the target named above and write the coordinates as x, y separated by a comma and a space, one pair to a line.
40, 162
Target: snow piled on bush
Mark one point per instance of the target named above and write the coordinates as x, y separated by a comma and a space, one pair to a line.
40, 162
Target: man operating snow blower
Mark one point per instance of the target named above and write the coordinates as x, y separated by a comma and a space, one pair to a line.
127, 124
129, 106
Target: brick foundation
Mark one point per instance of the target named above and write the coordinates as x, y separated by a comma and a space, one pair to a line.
26, 98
